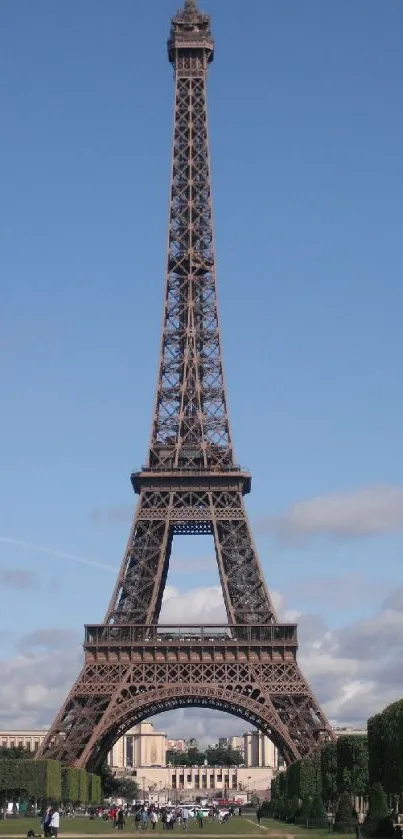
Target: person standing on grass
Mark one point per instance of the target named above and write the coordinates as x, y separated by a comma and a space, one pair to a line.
47, 820
185, 818
200, 818
258, 815
120, 820
55, 823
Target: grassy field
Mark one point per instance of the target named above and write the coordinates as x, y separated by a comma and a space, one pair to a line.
81, 827
281, 829
247, 827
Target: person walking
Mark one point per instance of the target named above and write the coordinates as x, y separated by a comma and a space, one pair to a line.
200, 818
185, 818
258, 815
120, 819
55, 823
153, 818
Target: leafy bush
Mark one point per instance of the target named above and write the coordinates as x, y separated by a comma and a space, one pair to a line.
352, 765
346, 817
317, 814
378, 821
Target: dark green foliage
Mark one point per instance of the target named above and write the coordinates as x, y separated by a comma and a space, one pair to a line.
283, 785
376, 749
295, 806
377, 822
304, 778
317, 814
94, 789
305, 811
223, 757
14, 754
329, 773
70, 785
352, 765
82, 786
194, 757
109, 782
275, 789
39, 779
128, 789
392, 732
346, 817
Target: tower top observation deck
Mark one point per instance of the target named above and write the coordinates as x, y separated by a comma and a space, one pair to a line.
190, 30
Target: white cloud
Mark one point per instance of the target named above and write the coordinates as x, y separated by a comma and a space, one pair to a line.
199, 605
363, 512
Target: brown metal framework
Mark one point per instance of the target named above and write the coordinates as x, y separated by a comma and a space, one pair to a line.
191, 484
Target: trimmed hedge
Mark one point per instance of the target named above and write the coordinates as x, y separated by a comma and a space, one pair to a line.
304, 778
82, 786
33, 778
94, 789
385, 745
70, 784
352, 765
328, 765
49, 780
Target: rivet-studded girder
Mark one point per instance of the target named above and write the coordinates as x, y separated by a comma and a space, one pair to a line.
190, 485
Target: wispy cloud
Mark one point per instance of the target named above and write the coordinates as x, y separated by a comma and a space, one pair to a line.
19, 578
368, 511
92, 563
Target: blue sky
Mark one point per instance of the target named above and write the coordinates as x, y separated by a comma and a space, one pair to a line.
306, 134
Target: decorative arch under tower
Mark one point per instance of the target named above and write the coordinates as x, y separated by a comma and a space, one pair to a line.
133, 666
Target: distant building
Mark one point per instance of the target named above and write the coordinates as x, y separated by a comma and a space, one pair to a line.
176, 745
142, 753
140, 746
349, 732
30, 740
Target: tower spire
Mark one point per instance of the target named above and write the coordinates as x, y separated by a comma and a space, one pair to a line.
191, 6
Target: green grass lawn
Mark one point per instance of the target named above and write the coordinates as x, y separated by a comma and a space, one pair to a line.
81, 827
275, 826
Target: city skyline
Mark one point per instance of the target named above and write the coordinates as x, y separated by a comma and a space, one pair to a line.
317, 229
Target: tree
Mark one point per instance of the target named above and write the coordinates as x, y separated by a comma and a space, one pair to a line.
305, 811
377, 821
127, 789
223, 757
295, 806
393, 744
109, 782
352, 765
346, 817
377, 759
329, 773
317, 815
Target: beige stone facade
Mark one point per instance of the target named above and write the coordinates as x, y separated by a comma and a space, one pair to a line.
185, 782
30, 740
140, 746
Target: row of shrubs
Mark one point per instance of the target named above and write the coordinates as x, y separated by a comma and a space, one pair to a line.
311, 813
44, 780
355, 767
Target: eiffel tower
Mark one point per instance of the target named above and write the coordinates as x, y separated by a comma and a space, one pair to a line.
134, 667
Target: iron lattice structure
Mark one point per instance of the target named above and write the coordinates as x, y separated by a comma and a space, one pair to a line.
190, 485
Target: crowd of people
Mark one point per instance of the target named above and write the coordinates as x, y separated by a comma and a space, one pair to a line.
170, 817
